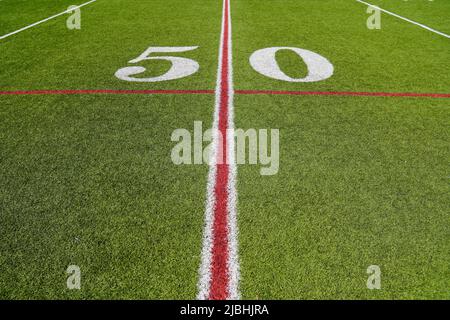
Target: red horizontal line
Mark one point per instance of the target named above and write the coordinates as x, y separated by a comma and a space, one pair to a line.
104, 91
245, 92
346, 93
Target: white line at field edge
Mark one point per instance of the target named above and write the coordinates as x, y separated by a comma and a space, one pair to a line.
42, 21
406, 19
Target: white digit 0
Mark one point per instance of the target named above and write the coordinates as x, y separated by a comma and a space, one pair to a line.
181, 67
264, 62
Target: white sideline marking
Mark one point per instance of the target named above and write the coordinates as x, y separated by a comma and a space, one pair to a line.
46, 19
406, 19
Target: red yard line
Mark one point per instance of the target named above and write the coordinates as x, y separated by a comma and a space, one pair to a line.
344, 93
219, 269
243, 92
219, 263
103, 91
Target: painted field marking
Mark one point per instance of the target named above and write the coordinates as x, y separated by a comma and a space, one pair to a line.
264, 62
180, 67
44, 20
219, 267
244, 92
345, 93
103, 91
406, 19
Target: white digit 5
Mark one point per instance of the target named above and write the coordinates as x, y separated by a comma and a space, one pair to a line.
264, 62
181, 67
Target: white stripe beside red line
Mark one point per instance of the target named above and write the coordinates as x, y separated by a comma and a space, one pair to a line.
219, 269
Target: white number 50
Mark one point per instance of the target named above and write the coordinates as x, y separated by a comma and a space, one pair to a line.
181, 67
263, 61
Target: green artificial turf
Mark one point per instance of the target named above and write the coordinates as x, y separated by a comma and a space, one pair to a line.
88, 179
363, 181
